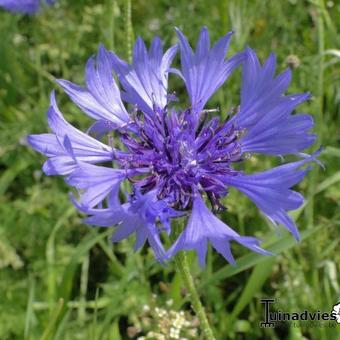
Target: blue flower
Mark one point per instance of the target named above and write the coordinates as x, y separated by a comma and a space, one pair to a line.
23, 6
178, 162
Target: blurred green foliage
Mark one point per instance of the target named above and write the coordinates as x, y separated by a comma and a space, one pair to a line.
60, 279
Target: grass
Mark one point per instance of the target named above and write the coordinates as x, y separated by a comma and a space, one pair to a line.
63, 280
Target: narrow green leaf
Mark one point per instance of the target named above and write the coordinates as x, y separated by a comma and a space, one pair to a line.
50, 258
29, 310
259, 275
328, 182
53, 320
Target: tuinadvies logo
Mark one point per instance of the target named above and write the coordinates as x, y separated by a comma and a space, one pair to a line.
315, 318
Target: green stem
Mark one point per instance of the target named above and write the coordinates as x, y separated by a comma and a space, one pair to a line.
319, 114
184, 270
321, 66
314, 176
128, 29
112, 4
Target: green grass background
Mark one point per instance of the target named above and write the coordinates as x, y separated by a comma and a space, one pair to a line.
60, 279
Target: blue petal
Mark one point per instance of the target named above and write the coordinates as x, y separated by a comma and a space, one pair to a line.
96, 181
205, 70
265, 113
145, 81
114, 214
60, 165
84, 147
21, 6
270, 191
290, 136
46, 143
204, 226
101, 99
139, 216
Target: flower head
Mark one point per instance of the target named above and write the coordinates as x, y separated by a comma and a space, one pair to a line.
23, 6
177, 159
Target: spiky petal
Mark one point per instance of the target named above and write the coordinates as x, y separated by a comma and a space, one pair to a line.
203, 227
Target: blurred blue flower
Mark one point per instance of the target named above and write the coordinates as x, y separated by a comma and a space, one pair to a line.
23, 6
178, 162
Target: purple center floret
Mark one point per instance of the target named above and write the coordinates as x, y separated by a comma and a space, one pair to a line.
183, 159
